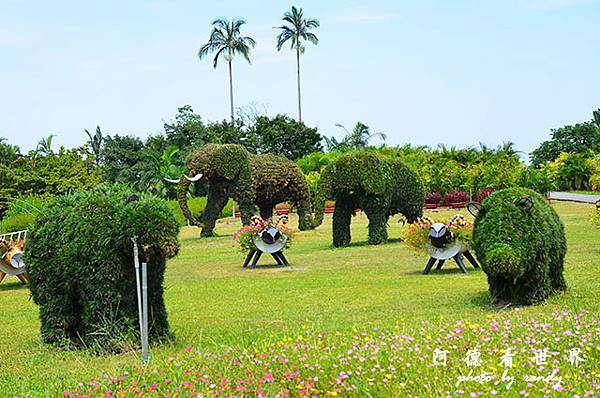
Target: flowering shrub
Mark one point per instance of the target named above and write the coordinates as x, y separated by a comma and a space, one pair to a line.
456, 197
505, 354
484, 193
416, 235
433, 198
245, 236
461, 228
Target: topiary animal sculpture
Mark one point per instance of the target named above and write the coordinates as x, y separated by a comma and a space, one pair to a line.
380, 186
80, 264
251, 180
521, 244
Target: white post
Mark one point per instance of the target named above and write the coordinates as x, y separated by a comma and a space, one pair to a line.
136, 264
145, 354
233, 210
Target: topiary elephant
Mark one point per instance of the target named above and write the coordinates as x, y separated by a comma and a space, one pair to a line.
79, 258
253, 181
380, 186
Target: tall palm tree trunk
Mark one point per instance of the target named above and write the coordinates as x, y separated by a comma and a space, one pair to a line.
231, 90
299, 95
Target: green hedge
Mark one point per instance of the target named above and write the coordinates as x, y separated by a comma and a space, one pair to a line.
80, 265
521, 250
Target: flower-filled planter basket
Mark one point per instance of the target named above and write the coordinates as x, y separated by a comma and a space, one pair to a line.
264, 236
442, 240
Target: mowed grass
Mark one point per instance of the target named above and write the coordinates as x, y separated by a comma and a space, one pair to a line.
214, 303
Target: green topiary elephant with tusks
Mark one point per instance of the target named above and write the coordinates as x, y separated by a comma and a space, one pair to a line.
253, 181
380, 186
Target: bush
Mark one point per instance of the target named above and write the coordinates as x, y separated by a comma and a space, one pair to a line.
316, 161
571, 171
456, 197
446, 175
483, 194
538, 180
18, 222
80, 265
521, 245
594, 165
433, 198
22, 212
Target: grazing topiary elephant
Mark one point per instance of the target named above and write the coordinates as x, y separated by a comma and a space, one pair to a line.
520, 242
380, 186
251, 180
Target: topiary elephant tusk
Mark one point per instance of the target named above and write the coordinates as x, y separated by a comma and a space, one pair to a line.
195, 178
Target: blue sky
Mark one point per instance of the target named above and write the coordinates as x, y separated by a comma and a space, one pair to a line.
424, 72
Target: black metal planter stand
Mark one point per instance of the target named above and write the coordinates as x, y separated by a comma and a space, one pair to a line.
254, 255
457, 258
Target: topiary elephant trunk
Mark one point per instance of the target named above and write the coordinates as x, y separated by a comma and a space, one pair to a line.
380, 186
253, 181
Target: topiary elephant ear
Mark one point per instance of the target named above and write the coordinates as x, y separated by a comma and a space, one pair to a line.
356, 172
220, 161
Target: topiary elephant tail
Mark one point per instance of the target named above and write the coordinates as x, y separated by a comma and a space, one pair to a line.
184, 184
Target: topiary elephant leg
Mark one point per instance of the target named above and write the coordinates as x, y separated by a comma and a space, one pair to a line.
378, 219
58, 318
318, 208
103, 320
215, 202
342, 216
305, 217
246, 210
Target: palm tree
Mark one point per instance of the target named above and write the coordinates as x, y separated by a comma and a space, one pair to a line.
596, 115
297, 30
96, 142
226, 41
360, 135
44, 145
8, 153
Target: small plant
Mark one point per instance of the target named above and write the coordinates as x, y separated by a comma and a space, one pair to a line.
433, 198
416, 235
456, 197
246, 235
484, 193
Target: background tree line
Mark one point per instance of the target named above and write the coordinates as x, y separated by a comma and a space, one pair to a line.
570, 160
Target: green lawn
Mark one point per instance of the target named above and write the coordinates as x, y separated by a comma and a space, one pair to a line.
214, 303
